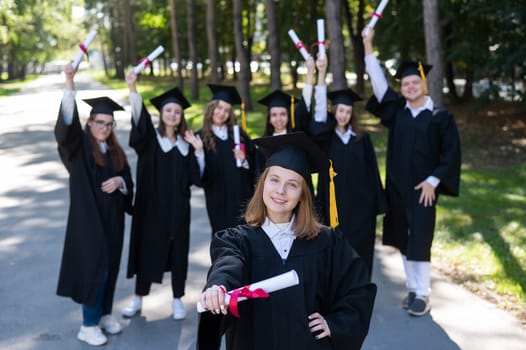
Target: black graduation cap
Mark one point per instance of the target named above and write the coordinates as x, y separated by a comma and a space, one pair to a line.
277, 98
173, 95
345, 96
225, 93
294, 151
104, 105
412, 68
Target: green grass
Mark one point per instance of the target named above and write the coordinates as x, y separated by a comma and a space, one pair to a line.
480, 236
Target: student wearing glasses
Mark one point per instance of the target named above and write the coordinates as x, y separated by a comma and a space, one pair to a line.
100, 188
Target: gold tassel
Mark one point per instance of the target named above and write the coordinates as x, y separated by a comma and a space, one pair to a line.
333, 210
292, 120
423, 76
243, 117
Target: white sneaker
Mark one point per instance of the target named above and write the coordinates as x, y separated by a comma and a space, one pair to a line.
132, 308
110, 325
92, 335
178, 309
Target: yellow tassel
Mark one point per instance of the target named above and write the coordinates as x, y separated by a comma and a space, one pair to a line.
292, 120
333, 210
423, 76
243, 117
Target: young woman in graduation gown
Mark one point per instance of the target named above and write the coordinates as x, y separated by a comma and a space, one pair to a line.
227, 186
101, 189
423, 161
286, 114
331, 306
359, 192
167, 166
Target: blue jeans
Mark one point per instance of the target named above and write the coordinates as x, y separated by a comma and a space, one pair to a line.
92, 314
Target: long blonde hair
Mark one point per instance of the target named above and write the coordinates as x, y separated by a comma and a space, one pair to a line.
306, 225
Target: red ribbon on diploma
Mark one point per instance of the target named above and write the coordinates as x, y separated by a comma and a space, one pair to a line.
299, 45
146, 61
85, 50
316, 43
246, 293
374, 14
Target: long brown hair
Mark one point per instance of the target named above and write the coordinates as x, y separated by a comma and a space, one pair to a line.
306, 224
179, 129
355, 125
269, 129
117, 154
209, 141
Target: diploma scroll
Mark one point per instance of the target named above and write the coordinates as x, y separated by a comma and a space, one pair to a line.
149, 59
376, 15
321, 37
299, 44
237, 142
272, 284
83, 48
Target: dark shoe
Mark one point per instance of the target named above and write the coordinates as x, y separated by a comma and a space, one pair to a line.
408, 300
419, 307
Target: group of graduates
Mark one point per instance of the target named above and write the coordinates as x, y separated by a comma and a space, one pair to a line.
266, 216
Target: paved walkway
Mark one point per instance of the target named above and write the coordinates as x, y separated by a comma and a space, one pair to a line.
33, 210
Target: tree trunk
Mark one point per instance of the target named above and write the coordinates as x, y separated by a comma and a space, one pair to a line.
212, 40
273, 45
336, 48
450, 79
468, 87
433, 50
116, 37
194, 83
175, 43
357, 43
242, 55
130, 52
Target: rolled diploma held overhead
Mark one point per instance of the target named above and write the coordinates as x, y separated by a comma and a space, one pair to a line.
376, 15
237, 141
152, 56
272, 284
321, 37
85, 44
299, 44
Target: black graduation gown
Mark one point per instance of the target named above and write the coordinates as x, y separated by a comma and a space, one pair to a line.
227, 187
333, 281
162, 205
417, 148
95, 227
359, 191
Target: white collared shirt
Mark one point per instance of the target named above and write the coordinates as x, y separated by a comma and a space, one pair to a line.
220, 131
281, 235
427, 105
345, 136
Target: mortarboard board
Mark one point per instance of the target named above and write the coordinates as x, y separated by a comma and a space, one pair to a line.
173, 95
277, 98
412, 68
345, 96
294, 151
104, 105
225, 93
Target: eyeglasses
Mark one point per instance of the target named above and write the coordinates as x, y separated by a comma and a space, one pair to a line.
101, 124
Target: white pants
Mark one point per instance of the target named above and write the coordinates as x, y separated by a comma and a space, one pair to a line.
418, 278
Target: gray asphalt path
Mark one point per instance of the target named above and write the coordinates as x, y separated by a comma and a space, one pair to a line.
33, 210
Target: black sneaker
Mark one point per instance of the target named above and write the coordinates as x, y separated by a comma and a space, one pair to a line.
419, 307
408, 300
